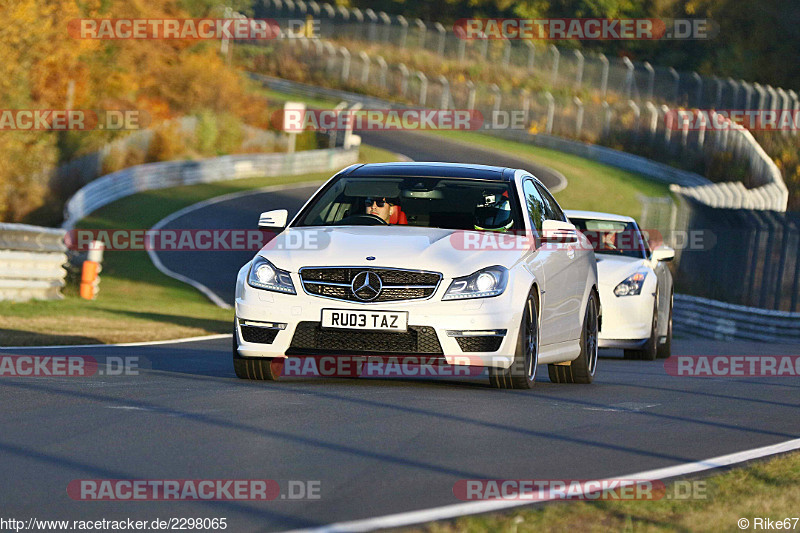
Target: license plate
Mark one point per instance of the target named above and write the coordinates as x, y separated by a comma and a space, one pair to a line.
366, 320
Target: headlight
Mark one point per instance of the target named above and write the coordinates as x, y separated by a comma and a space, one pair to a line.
632, 284
264, 275
487, 282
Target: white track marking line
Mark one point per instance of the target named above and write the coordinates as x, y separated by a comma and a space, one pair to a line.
463, 509
123, 344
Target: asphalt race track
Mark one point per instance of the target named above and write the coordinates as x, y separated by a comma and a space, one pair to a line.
376, 446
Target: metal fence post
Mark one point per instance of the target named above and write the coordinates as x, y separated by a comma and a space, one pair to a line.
345, 63
699, 93
668, 120
445, 102
470, 95
506, 53
628, 77
554, 75
359, 16
653, 126
734, 92
423, 87
717, 92
604, 75
403, 30
795, 112
526, 106
578, 117
551, 109
636, 115
372, 26
442, 36
579, 70
676, 85
531, 54
651, 79
748, 93
386, 27
384, 70
496, 100
421, 31
404, 73
365, 64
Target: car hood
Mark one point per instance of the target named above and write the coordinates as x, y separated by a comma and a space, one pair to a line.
612, 270
414, 248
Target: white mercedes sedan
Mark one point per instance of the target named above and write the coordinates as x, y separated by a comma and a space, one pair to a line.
461, 264
635, 285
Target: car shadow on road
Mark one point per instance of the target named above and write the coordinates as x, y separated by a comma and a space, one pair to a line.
18, 337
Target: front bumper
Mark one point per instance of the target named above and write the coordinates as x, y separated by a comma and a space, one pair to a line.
626, 319
290, 324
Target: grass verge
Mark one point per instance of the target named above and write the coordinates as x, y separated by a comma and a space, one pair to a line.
728, 497
136, 302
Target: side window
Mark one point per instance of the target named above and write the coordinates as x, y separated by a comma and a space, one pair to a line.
552, 209
536, 206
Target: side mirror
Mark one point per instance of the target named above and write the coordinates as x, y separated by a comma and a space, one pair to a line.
273, 219
558, 232
663, 253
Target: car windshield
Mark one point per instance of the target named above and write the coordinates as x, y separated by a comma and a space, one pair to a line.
612, 237
430, 202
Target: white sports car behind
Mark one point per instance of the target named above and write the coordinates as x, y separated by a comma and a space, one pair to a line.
635, 285
430, 259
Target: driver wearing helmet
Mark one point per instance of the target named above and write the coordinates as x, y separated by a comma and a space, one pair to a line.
494, 213
381, 207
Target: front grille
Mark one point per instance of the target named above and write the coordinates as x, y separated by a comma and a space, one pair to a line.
479, 344
310, 338
259, 335
397, 284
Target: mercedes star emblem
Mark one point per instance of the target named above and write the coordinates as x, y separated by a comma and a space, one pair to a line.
366, 285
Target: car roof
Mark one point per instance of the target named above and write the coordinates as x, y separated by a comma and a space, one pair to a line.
571, 213
435, 170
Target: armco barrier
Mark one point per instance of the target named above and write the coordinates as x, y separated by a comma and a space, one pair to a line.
151, 176
719, 320
32, 262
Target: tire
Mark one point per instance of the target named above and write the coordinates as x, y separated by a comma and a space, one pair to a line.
665, 350
522, 372
265, 369
582, 369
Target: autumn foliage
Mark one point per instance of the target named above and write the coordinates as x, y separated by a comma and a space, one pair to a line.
44, 67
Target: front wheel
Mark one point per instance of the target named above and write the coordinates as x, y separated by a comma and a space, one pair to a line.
582, 369
522, 372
